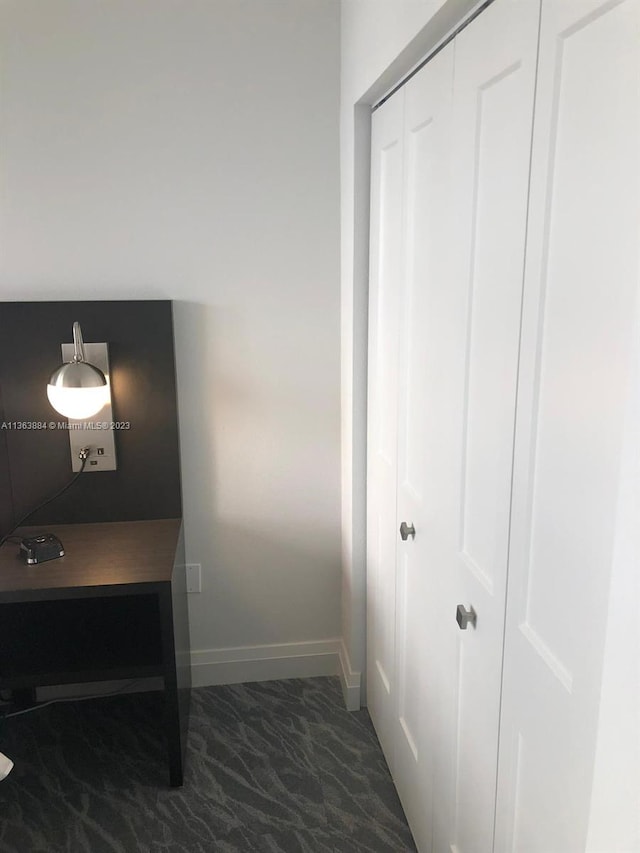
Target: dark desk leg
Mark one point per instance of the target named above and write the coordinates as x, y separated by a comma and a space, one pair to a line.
174, 726
176, 654
173, 734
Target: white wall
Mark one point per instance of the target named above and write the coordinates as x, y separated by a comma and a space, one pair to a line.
188, 149
381, 40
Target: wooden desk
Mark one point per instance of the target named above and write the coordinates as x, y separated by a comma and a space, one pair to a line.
114, 607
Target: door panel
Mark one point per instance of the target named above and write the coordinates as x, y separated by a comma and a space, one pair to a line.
493, 114
386, 265
579, 321
423, 475
497, 255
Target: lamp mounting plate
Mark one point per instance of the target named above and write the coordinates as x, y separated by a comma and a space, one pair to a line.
96, 432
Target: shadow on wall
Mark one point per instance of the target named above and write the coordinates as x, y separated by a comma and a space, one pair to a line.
261, 481
272, 589
194, 330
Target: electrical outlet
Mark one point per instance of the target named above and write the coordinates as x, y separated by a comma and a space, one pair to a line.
194, 577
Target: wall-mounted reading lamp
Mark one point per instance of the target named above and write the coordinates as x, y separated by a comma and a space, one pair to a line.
79, 389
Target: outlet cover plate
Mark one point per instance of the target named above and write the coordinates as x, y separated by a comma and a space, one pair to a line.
194, 577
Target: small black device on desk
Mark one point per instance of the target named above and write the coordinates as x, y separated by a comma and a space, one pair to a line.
40, 548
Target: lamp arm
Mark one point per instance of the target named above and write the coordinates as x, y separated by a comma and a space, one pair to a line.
78, 343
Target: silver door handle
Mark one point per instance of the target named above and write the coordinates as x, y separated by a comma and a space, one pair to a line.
407, 530
465, 617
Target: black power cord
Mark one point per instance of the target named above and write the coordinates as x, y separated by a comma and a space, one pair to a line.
83, 456
127, 686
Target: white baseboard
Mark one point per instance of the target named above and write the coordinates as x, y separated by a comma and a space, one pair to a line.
350, 680
283, 660
212, 667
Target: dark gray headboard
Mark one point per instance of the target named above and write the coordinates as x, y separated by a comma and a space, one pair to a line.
35, 463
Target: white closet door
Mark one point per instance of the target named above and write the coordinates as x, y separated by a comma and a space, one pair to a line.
385, 294
579, 321
424, 424
495, 68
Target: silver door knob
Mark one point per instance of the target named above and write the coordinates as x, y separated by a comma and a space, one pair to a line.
407, 530
465, 617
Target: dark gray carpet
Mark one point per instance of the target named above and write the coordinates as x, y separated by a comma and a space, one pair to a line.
271, 766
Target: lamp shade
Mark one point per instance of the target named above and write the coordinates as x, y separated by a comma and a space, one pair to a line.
78, 390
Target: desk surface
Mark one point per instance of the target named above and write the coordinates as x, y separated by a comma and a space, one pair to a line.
113, 607
96, 555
